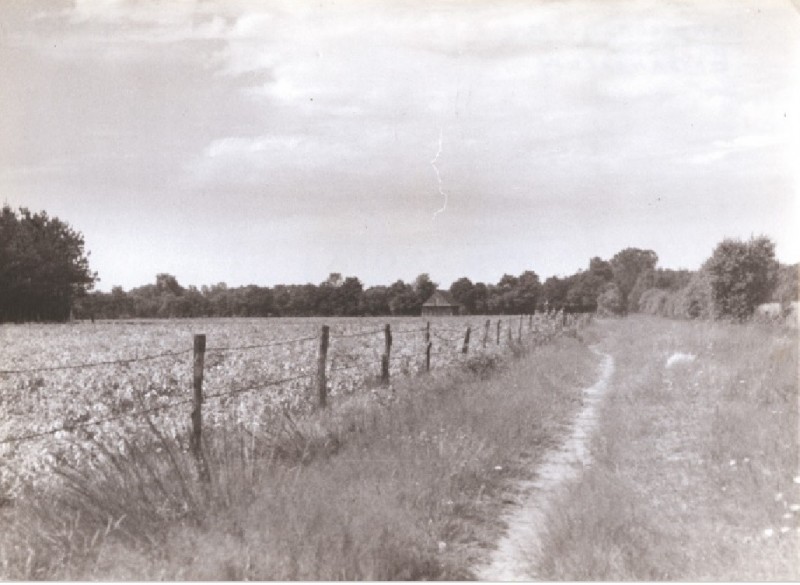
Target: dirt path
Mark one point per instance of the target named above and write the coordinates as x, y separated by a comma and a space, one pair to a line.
512, 560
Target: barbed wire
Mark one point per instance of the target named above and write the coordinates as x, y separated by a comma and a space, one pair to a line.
404, 331
347, 367
263, 345
97, 364
446, 339
357, 334
259, 386
69, 427
450, 329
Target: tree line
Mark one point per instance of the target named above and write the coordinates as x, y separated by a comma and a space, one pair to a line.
45, 276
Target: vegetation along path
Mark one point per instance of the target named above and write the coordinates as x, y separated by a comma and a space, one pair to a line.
511, 560
695, 464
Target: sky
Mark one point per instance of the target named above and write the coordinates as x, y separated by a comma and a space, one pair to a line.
268, 142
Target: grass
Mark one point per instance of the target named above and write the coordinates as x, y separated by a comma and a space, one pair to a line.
696, 466
404, 484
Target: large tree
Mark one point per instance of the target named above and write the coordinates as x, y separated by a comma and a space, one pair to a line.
424, 287
743, 274
43, 267
627, 265
463, 292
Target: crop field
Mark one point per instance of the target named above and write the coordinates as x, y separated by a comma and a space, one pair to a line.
62, 387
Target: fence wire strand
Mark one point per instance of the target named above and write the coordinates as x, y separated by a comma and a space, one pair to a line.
263, 345
259, 386
79, 425
97, 364
357, 334
128, 415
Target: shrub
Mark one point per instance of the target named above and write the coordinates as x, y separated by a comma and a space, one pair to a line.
743, 275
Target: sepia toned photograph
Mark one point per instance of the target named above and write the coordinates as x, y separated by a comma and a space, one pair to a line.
400, 290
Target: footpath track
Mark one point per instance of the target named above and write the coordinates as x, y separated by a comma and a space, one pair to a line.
514, 557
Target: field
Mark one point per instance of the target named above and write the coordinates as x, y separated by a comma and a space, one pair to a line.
694, 467
244, 360
389, 482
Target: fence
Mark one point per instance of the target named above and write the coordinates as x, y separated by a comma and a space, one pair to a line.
553, 324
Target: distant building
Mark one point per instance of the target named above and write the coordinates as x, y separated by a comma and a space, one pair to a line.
440, 303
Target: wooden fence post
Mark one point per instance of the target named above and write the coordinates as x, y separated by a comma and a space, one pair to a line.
428, 346
322, 360
530, 321
465, 348
195, 443
510, 334
387, 333
428, 356
486, 332
498, 332
519, 332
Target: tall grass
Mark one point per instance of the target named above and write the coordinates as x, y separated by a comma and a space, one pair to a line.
696, 471
402, 484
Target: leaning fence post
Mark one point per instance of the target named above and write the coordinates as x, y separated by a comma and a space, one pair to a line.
428, 332
387, 333
498, 332
197, 412
465, 348
486, 332
322, 359
510, 334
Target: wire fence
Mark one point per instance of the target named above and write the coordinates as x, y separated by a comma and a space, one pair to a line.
324, 366
121, 361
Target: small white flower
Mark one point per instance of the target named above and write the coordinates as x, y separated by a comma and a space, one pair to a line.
794, 507
747, 460
778, 497
784, 529
442, 546
796, 479
788, 515
732, 463
768, 532
498, 468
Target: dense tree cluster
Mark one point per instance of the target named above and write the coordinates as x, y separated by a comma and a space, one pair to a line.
43, 267
730, 285
44, 275
336, 296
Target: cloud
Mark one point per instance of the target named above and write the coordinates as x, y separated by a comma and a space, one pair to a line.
721, 149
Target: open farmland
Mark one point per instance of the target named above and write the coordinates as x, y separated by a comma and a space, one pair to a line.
64, 385
639, 448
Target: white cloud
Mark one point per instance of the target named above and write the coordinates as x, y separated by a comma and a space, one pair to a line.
721, 149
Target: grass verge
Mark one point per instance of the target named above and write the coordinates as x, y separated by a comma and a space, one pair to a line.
696, 474
407, 485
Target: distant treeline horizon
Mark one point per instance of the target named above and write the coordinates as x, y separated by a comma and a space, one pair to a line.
628, 282
45, 276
